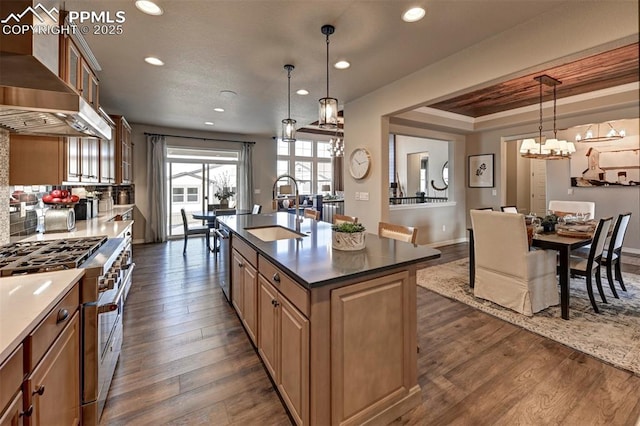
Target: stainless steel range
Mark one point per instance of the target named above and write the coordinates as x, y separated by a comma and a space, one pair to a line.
104, 286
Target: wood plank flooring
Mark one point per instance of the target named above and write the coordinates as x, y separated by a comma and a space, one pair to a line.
186, 360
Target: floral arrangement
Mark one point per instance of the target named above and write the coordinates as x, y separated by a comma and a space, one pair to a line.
223, 182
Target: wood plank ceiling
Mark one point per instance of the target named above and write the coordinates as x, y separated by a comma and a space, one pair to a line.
608, 69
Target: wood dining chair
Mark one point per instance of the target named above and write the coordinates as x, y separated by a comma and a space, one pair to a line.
591, 265
341, 218
611, 256
193, 230
312, 214
407, 234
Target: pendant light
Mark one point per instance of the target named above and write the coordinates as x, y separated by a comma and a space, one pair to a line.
553, 149
328, 106
288, 124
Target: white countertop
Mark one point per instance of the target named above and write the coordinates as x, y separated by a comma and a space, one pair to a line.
92, 227
25, 300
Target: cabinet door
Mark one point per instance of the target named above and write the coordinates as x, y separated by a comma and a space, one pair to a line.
237, 285
54, 386
12, 416
89, 166
250, 295
72, 64
74, 160
36, 160
86, 75
294, 361
106, 161
268, 325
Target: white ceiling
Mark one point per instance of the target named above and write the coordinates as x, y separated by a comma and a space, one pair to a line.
209, 46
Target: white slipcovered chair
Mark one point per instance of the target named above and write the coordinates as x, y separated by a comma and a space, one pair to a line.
506, 272
562, 208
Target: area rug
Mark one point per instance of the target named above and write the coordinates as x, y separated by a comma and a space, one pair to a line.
613, 335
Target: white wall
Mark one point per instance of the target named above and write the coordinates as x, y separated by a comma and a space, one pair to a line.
550, 38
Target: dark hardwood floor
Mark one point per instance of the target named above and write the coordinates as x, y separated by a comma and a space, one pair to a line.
186, 360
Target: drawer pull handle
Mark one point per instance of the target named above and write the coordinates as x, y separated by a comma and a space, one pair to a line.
276, 304
240, 264
39, 390
28, 412
276, 277
63, 314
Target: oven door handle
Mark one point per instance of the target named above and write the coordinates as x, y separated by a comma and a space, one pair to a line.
113, 305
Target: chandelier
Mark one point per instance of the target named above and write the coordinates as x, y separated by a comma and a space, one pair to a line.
288, 124
611, 135
328, 106
552, 149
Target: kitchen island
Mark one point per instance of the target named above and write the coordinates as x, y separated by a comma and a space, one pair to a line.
336, 330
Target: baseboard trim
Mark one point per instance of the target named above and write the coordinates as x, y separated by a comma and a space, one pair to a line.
631, 250
447, 243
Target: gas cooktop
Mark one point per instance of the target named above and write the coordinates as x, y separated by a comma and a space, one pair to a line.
44, 256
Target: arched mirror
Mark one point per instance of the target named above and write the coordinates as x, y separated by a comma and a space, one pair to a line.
445, 173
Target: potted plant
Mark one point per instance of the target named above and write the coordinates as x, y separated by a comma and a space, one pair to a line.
549, 222
224, 192
348, 236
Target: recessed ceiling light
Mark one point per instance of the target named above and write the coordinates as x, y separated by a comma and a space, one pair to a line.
302, 92
342, 65
227, 93
149, 7
153, 61
218, 109
414, 14
209, 123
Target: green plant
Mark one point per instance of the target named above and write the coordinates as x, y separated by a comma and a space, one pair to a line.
551, 219
349, 227
224, 184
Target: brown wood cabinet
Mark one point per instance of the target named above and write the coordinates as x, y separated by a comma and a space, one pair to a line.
124, 151
53, 388
283, 344
244, 293
36, 160
13, 415
76, 71
339, 354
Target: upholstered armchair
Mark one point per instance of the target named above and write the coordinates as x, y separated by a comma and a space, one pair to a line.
507, 273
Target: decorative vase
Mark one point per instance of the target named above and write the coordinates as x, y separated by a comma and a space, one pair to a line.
348, 241
224, 203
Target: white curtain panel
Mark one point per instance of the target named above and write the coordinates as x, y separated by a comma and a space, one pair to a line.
245, 183
156, 228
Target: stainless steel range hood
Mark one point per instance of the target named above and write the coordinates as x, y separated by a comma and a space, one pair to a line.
33, 100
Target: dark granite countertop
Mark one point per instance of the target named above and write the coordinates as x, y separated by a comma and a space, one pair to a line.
312, 262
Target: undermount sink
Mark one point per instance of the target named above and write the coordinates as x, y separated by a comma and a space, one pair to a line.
273, 233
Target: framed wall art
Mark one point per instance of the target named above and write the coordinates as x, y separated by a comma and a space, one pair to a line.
481, 171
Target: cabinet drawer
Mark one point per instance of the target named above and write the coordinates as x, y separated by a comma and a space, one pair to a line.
37, 343
296, 294
245, 250
11, 376
12, 416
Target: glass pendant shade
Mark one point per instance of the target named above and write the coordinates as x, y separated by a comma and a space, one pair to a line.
328, 113
328, 106
289, 124
288, 130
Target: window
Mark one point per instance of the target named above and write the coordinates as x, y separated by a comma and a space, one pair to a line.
185, 195
309, 162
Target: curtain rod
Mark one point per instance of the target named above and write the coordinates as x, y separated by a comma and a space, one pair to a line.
198, 138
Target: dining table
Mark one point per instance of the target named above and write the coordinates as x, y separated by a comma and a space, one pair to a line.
546, 241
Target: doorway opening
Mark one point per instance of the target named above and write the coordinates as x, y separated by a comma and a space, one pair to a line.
196, 179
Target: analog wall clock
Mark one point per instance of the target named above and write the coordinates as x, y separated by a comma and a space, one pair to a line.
360, 163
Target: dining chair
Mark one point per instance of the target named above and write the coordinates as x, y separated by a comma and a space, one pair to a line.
341, 218
506, 271
509, 209
257, 208
591, 265
312, 214
611, 256
194, 230
484, 208
407, 234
